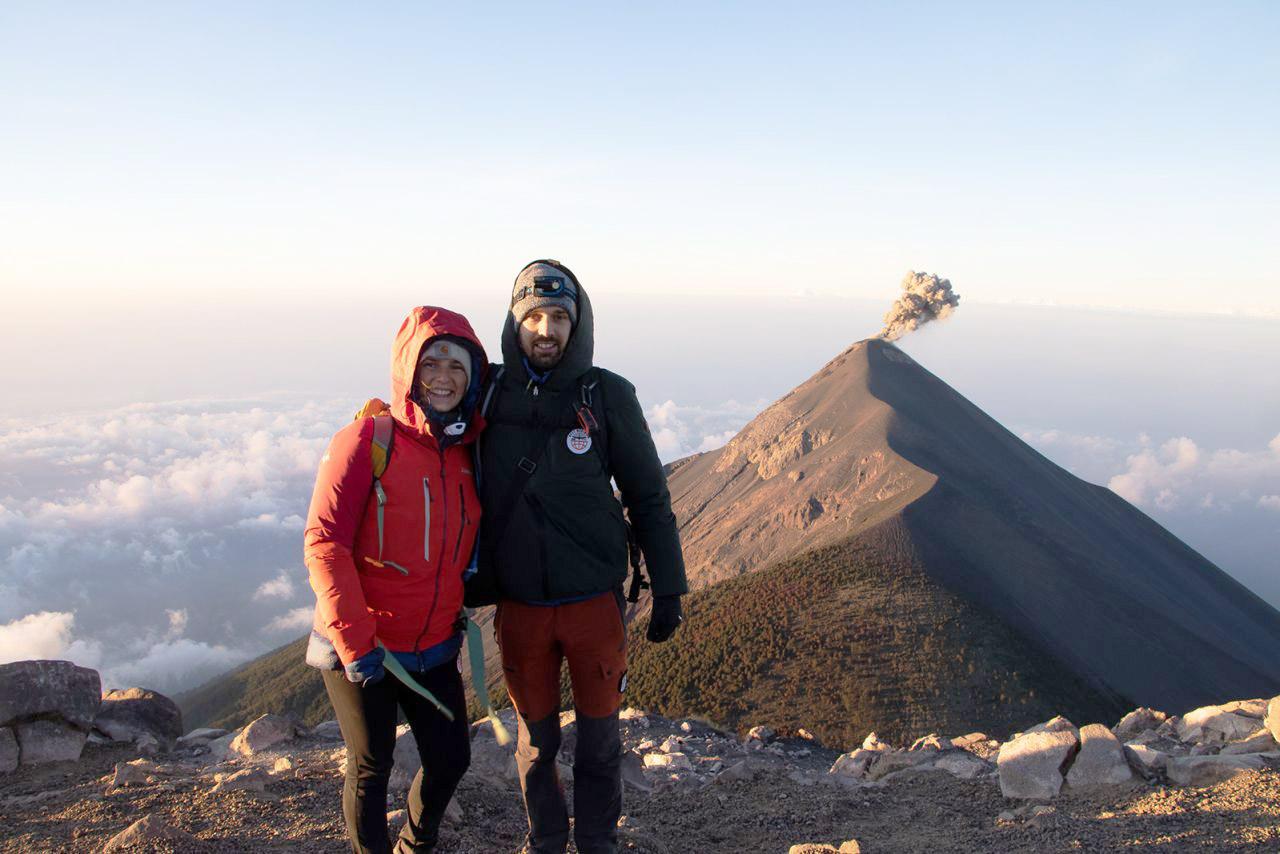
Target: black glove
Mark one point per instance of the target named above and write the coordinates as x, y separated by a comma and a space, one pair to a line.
665, 619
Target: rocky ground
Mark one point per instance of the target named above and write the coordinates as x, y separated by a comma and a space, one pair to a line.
692, 788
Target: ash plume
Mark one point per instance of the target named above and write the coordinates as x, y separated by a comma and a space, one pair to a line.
925, 297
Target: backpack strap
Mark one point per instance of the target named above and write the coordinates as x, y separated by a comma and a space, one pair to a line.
591, 396
384, 434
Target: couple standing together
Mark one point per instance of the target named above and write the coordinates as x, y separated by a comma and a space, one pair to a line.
501, 475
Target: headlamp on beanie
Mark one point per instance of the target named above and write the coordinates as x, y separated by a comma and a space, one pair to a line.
544, 285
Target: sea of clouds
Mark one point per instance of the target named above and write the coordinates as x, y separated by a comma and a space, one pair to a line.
161, 543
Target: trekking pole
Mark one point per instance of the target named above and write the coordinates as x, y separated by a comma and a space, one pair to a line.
397, 670
475, 651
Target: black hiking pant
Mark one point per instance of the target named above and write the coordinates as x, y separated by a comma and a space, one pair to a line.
367, 718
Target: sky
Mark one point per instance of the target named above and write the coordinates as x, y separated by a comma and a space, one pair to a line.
213, 218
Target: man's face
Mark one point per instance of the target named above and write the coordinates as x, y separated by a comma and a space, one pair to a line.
544, 334
441, 382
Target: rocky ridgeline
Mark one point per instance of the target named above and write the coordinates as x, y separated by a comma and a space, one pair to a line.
50, 710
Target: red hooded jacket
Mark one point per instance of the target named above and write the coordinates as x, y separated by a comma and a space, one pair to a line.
430, 518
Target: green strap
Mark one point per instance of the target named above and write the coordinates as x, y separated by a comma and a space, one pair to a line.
395, 669
475, 651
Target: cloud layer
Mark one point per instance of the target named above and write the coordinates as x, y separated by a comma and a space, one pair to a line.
161, 544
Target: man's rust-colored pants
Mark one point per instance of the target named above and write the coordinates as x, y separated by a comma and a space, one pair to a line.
590, 636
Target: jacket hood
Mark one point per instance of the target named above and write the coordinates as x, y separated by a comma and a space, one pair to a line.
577, 356
424, 324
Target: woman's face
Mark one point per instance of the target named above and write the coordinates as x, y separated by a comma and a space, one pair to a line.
441, 382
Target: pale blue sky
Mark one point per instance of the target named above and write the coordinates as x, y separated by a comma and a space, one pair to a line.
1096, 154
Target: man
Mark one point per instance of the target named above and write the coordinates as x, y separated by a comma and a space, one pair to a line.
554, 552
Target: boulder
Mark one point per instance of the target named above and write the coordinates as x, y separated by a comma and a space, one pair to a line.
855, 764
813, 848
496, 762
762, 734
139, 772
200, 737
31, 689
1145, 761
1031, 765
1260, 742
49, 741
932, 741
738, 772
899, 760
873, 742
1272, 721
962, 764
1224, 723
1054, 724
1207, 770
979, 744
1100, 762
220, 747
406, 758
672, 761
262, 734
1138, 721
672, 745
327, 729
633, 772
150, 834
8, 751
249, 779
131, 712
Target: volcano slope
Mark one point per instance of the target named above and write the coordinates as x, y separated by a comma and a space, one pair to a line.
919, 565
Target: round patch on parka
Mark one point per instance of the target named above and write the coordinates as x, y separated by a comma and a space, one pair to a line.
578, 440
457, 428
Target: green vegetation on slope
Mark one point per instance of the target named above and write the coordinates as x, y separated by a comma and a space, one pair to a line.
843, 641
279, 682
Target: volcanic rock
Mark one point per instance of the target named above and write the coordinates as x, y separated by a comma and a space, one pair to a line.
1272, 721
1031, 765
1222, 723
262, 734
150, 834
49, 741
1207, 770
30, 689
1101, 760
1260, 742
126, 714
1138, 721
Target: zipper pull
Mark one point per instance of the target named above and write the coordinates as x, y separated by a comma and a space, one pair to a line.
535, 391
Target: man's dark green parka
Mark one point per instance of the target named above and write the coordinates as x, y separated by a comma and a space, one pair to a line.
564, 536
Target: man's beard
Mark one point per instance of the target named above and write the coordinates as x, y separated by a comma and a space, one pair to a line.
546, 361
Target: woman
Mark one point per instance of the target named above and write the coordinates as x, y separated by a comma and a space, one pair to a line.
389, 535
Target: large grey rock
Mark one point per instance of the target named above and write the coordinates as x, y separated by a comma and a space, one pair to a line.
49, 741
1100, 762
327, 729
151, 834
1272, 721
900, 760
131, 712
963, 764
262, 734
30, 689
1138, 721
406, 758
1055, 724
200, 737
1031, 765
8, 751
1207, 770
1260, 742
496, 762
855, 764
247, 779
1145, 761
1224, 723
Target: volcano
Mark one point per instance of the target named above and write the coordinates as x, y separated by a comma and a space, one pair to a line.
912, 565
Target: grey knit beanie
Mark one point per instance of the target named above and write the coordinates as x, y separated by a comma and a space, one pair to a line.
543, 284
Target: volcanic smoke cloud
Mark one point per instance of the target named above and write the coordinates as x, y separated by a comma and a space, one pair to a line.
925, 297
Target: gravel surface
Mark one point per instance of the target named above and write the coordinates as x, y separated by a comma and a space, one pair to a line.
788, 800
